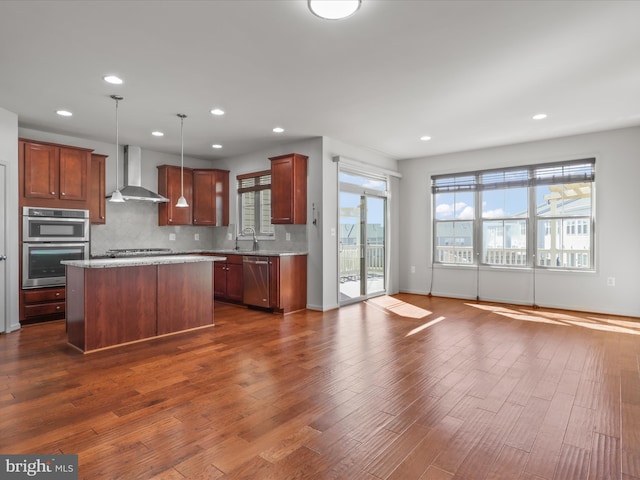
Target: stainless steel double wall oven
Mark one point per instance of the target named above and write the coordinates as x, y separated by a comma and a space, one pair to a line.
49, 236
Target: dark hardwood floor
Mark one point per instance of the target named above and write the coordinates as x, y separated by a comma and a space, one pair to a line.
404, 387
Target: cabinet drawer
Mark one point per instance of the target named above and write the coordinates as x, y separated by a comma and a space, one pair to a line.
43, 309
44, 295
235, 259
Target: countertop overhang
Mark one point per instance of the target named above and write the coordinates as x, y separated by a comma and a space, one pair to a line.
138, 261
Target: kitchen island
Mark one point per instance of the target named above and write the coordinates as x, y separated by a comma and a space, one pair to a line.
115, 301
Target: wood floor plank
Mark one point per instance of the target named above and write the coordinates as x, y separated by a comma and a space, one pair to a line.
546, 449
491, 391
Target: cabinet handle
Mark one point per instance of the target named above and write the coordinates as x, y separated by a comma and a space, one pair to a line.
102, 217
53, 193
57, 294
58, 307
62, 193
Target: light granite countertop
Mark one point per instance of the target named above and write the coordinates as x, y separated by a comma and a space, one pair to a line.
139, 261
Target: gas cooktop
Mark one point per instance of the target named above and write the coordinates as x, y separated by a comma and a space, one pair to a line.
137, 252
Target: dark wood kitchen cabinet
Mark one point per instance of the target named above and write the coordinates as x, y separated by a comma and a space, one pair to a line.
97, 201
42, 304
289, 189
210, 197
288, 283
227, 279
170, 185
54, 175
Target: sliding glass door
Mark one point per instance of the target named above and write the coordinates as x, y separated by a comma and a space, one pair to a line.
361, 247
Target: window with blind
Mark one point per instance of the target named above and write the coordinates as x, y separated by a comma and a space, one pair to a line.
254, 200
513, 217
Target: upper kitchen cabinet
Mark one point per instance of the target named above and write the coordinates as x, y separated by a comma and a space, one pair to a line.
170, 185
289, 189
54, 174
210, 197
97, 202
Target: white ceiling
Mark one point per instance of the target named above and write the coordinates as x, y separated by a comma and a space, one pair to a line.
469, 74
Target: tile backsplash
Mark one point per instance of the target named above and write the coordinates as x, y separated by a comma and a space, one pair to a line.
134, 224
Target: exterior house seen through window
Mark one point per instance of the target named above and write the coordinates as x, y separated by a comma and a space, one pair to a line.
517, 216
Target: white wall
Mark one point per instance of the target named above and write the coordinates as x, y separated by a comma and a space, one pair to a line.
617, 229
9, 158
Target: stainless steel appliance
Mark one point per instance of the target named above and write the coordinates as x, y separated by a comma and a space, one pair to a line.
54, 225
255, 273
48, 237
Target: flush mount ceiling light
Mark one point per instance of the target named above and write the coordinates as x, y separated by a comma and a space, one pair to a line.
64, 113
112, 79
182, 202
278, 130
539, 116
157, 134
216, 111
116, 196
216, 145
333, 9
425, 138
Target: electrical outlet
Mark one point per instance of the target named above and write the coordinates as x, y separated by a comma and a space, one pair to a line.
413, 269
229, 236
288, 236
196, 236
611, 281
172, 237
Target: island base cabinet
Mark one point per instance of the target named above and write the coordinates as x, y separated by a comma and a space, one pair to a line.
110, 306
113, 306
184, 297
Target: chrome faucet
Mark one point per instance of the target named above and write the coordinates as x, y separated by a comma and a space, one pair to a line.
253, 232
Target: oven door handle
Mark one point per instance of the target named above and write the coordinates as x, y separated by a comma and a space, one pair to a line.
3, 257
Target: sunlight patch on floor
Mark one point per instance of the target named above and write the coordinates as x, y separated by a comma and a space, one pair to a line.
424, 325
564, 319
399, 307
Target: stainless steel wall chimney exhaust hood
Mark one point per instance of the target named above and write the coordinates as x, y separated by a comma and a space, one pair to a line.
133, 189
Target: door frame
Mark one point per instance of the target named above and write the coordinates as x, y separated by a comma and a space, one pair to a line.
363, 193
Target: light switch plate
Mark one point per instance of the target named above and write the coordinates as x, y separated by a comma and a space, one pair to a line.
172, 236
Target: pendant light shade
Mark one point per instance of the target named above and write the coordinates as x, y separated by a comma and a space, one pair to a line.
182, 202
116, 196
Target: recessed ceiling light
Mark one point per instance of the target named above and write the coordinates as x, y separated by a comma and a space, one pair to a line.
539, 116
217, 111
334, 9
157, 134
278, 130
112, 79
425, 138
216, 145
64, 113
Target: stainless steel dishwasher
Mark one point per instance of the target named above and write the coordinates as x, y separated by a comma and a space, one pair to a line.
255, 273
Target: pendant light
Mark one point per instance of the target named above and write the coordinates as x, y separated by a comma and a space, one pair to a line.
182, 202
116, 196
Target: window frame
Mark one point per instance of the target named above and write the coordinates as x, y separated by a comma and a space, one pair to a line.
260, 185
572, 172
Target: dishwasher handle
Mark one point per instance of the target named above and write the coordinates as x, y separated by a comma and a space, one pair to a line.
255, 260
